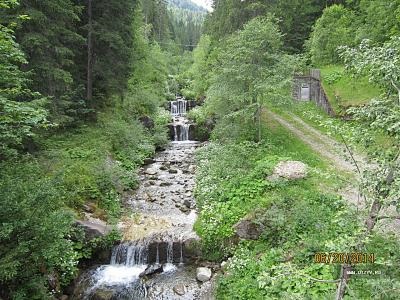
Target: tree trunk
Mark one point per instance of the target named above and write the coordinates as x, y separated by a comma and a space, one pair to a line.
344, 278
89, 84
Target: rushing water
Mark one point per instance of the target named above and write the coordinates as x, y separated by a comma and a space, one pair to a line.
152, 262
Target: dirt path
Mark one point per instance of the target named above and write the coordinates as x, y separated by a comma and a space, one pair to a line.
335, 152
327, 148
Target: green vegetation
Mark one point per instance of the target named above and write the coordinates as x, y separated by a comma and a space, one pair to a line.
77, 120
300, 217
83, 87
344, 90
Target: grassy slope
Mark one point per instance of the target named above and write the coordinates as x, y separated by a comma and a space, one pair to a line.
345, 91
300, 217
290, 210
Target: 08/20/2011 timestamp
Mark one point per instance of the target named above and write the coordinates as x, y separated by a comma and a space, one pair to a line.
344, 258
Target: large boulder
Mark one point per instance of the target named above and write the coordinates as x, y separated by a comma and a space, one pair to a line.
93, 230
247, 229
203, 274
290, 169
192, 248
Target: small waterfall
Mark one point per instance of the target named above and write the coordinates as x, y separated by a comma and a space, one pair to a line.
184, 136
130, 254
178, 107
170, 252
175, 133
158, 255
181, 124
181, 257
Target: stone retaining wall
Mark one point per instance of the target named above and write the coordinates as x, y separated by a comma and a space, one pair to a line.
309, 88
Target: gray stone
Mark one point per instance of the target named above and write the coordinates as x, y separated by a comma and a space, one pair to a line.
179, 289
165, 183
290, 169
93, 230
152, 269
148, 161
184, 209
203, 274
247, 229
101, 294
150, 171
173, 171
187, 203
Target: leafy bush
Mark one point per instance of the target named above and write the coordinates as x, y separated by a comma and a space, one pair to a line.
34, 229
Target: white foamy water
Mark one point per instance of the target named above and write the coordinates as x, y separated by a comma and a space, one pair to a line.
169, 268
117, 274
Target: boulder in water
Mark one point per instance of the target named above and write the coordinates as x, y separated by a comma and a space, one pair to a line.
184, 208
179, 289
173, 171
148, 161
187, 203
150, 171
101, 294
152, 269
203, 274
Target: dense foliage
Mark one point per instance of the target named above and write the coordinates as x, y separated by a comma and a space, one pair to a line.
81, 99
235, 69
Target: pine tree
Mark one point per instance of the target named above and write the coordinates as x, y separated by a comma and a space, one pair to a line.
48, 38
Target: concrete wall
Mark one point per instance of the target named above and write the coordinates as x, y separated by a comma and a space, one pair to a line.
308, 88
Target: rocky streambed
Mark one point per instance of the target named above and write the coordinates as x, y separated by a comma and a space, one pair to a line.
159, 255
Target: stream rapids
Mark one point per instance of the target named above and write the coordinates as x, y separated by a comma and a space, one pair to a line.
155, 259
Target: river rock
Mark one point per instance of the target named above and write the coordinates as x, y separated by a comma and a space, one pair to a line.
184, 209
187, 203
152, 269
165, 183
151, 171
179, 289
148, 161
290, 169
173, 171
203, 274
102, 295
247, 229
